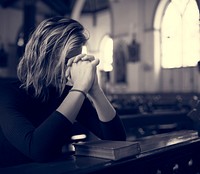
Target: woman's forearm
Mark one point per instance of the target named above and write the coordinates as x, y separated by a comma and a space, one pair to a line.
71, 105
105, 110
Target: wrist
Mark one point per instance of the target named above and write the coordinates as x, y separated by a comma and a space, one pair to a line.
80, 87
95, 92
78, 90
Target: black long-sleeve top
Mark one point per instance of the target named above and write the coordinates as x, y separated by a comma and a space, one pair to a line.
32, 130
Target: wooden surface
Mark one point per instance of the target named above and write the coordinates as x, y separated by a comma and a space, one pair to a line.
159, 157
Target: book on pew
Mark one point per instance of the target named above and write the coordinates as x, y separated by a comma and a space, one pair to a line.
113, 150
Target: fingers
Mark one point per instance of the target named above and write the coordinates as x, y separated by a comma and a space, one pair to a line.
67, 72
70, 61
75, 59
88, 58
84, 58
78, 58
95, 62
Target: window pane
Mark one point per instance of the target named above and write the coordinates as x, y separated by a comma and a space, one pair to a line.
191, 35
180, 34
171, 38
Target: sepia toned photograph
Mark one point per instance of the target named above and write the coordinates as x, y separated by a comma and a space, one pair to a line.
99, 86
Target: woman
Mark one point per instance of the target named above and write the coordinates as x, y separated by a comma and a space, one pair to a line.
57, 86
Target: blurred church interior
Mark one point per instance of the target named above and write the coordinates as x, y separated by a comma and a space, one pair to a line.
148, 49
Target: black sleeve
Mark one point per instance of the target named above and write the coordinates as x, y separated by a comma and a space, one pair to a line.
40, 143
112, 130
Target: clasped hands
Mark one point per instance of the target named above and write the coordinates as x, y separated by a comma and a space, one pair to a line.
81, 72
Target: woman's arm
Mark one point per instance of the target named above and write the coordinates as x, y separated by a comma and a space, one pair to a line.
105, 110
27, 129
82, 77
71, 105
110, 130
111, 125
104, 121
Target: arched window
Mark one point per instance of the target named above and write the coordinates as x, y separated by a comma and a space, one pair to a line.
180, 35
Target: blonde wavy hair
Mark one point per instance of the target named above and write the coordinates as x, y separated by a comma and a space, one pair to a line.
46, 54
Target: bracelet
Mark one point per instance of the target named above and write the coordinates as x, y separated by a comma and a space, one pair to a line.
77, 90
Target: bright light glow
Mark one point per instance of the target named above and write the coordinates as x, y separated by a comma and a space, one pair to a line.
78, 137
84, 49
180, 36
191, 35
106, 54
20, 42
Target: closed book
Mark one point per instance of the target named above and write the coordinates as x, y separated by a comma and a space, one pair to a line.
114, 150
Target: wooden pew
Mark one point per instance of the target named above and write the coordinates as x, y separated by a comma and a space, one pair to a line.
158, 156
152, 113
